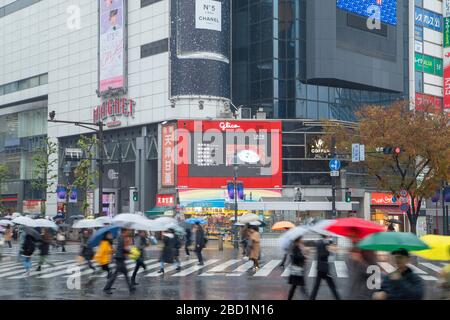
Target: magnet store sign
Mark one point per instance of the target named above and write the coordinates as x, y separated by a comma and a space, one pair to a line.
111, 111
429, 64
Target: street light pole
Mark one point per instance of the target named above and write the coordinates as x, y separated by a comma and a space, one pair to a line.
236, 168
333, 181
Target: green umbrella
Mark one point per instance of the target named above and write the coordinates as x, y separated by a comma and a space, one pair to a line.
391, 241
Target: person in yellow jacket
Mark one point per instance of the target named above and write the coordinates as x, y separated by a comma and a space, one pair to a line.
105, 252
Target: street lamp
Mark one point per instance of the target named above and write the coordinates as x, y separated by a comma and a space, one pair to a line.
66, 171
236, 170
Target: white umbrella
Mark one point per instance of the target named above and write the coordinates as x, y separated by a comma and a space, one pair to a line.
16, 215
87, 224
255, 223
127, 220
295, 233
6, 223
320, 226
9, 217
250, 217
164, 223
25, 221
104, 220
44, 223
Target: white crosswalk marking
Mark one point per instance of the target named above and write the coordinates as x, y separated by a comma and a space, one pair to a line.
267, 268
194, 268
422, 273
431, 266
341, 269
219, 268
17, 270
313, 270
241, 269
130, 267
286, 272
45, 268
387, 266
171, 268
6, 268
8, 264
62, 272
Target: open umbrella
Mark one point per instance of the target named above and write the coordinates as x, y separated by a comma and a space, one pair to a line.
32, 232
258, 223
354, 227
98, 236
25, 221
320, 225
391, 241
394, 221
8, 217
439, 247
195, 220
283, 225
288, 237
87, 224
75, 217
165, 223
6, 223
129, 220
246, 218
104, 220
240, 224
16, 215
44, 223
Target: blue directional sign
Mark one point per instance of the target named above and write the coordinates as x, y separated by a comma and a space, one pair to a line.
335, 165
394, 199
404, 207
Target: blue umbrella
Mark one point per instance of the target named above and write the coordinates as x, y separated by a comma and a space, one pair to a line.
98, 236
195, 220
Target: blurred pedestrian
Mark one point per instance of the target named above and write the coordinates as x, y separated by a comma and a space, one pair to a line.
358, 261
200, 242
244, 240
8, 235
44, 248
27, 249
120, 256
140, 242
296, 270
445, 282
104, 253
403, 283
391, 227
85, 251
254, 246
188, 241
323, 268
168, 251
176, 255
61, 240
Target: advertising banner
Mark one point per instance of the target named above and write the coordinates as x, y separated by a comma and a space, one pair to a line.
208, 15
32, 206
168, 156
165, 200
446, 11
388, 8
112, 39
428, 64
73, 195
428, 19
429, 103
446, 42
447, 79
61, 194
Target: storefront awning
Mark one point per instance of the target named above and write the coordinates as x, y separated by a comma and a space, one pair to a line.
157, 211
387, 209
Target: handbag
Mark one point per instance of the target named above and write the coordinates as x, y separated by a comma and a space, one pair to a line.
134, 254
295, 271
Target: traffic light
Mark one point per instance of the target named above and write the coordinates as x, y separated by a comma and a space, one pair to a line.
135, 196
392, 150
348, 196
52, 115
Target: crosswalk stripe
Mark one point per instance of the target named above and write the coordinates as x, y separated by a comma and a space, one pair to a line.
130, 266
286, 272
97, 266
18, 269
241, 269
11, 266
267, 268
194, 268
313, 270
58, 266
341, 269
422, 273
7, 264
220, 268
62, 272
431, 266
387, 266
171, 268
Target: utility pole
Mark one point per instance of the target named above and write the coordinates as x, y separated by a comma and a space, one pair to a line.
333, 181
236, 168
444, 211
119, 178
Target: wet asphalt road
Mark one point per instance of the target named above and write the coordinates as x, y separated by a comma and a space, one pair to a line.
227, 277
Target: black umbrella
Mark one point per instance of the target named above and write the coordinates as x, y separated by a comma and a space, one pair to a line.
32, 232
395, 221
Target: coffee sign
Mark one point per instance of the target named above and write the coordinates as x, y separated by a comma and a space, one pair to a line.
111, 111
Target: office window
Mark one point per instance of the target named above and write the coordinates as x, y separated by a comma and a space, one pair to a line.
154, 48
11, 87
145, 3
43, 79
419, 82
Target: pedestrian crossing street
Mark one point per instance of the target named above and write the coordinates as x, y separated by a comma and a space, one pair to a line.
14, 270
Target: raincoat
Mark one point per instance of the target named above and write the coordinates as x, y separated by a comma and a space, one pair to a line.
104, 253
255, 240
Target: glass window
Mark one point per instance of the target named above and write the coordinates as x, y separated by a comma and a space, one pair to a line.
312, 92
419, 3
419, 82
323, 110
34, 82
311, 110
24, 84
323, 93
43, 79
293, 138
11, 87
293, 152
1, 90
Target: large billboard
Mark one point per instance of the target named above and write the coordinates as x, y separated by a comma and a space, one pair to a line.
388, 8
447, 79
207, 152
428, 19
168, 155
112, 40
200, 48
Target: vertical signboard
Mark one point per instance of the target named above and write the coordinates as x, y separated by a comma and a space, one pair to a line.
168, 156
446, 45
111, 46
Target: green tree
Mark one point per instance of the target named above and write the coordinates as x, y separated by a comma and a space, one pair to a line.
45, 177
424, 141
84, 175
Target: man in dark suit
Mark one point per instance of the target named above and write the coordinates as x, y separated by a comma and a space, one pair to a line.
200, 242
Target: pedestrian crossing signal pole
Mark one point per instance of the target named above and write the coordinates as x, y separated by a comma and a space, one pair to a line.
235, 230
333, 181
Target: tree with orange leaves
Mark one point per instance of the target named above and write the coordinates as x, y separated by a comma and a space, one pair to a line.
424, 141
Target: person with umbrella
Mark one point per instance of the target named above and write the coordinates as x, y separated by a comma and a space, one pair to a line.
140, 242
254, 245
8, 235
188, 240
44, 247
244, 240
403, 283
26, 251
323, 268
104, 253
200, 242
168, 251
296, 273
61, 240
357, 262
120, 256
86, 251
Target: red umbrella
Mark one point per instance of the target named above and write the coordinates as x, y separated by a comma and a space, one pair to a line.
354, 228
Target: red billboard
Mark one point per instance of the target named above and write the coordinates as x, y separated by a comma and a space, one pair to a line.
208, 150
428, 103
447, 79
165, 200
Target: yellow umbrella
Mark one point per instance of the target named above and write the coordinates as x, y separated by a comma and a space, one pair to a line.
283, 225
440, 247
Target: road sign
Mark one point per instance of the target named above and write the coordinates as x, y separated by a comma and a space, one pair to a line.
334, 164
404, 207
355, 152
403, 193
334, 173
362, 152
404, 200
394, 199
